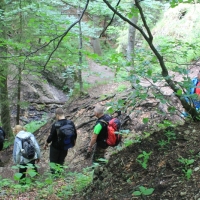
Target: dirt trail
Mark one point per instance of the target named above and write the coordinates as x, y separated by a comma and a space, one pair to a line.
81, 112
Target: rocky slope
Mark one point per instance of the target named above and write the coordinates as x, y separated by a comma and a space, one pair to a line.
123, 174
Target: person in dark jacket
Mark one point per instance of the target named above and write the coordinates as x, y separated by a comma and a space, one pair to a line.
99, 135
57, 153
2, 138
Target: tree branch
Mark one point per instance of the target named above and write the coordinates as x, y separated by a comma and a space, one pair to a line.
104, 30
159, 57
143, 19
126, 20
65, 33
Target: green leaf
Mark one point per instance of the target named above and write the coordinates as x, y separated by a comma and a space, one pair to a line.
145, 120
17, 176
190, 161
188, 173
144, 165
128, 142
149, 72
137, 81
137, 193
110, 110
28, 180
15, 167
32, 173
142, 189
148, 191
179, 92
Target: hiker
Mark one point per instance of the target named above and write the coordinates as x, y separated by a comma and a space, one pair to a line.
19, 149
60, 143
2, 138
196, 90
99, 134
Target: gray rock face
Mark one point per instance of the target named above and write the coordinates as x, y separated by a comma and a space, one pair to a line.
35, 89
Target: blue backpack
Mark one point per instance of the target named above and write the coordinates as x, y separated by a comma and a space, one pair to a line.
1, 136
66, 135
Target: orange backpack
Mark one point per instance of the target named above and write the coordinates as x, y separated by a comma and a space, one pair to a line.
113, 127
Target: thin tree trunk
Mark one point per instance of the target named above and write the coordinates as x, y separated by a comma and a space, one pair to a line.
131, 41
149, 39
18, 95
5, 109
96, 41
4, 101
19, 73
80, 57
130, 49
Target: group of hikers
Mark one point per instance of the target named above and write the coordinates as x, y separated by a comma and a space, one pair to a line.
23, 155
63, 136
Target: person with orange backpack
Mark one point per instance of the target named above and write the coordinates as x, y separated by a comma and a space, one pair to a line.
103, 133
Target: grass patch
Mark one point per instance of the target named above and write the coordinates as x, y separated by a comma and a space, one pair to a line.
45, 185
8, 142
121, 88
35, 125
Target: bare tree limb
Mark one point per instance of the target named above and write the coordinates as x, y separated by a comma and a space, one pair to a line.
126, 20
144, 20
149, 40
104, 30
65, 33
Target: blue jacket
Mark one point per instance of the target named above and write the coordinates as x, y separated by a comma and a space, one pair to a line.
17, 156
194, 83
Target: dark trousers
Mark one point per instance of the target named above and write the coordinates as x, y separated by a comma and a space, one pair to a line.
1, 146
98, 153
23, 170
57, 156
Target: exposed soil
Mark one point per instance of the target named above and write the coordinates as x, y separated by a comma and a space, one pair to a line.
164, 173
123, 175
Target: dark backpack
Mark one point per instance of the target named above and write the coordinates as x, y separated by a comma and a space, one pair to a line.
28, 148
113, 126
66, 135
1, 136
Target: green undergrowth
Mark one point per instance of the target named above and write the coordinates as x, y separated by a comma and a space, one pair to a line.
30, 127
8, 143
35, 125
63, 184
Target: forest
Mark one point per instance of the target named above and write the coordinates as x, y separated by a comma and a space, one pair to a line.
137, 57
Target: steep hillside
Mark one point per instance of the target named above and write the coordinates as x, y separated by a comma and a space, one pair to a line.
123, 174
181, 22
172, 168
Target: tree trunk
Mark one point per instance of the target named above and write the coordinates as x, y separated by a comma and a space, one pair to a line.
80, 58
96, 46
131, 41
130, 50
19, 72
95, 40
5, 110
4, 101
149, 39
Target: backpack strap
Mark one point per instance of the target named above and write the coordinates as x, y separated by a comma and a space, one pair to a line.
105, 122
